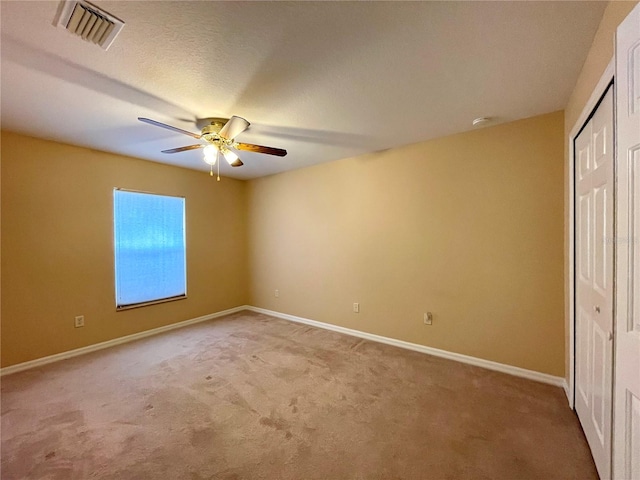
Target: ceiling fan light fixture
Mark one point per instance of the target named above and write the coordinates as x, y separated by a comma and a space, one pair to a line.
229, 156
210, 154
210, 161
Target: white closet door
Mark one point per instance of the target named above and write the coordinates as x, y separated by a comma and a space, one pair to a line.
627, 361
594, 281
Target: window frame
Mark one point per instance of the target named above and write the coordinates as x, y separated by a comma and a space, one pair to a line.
174, 298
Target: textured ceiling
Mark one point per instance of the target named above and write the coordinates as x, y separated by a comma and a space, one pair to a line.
324, 80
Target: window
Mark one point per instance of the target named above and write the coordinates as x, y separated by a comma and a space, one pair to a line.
150, 254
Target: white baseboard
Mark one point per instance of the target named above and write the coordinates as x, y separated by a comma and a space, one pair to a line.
567, 391
116, 341
479, 362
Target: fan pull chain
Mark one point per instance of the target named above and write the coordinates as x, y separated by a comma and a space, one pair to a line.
218, 162
211, 171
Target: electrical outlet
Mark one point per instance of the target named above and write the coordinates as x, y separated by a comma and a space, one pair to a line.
428, 318
79, 321
276, 293
356, 308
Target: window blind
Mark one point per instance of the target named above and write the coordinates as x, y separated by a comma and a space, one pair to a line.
150, 253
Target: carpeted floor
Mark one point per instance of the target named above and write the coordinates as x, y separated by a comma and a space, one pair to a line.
253, 397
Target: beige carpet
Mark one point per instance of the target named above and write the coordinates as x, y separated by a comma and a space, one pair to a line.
254, 397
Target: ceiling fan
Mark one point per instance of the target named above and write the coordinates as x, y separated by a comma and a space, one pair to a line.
219, 138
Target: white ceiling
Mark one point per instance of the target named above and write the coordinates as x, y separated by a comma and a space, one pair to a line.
324, 80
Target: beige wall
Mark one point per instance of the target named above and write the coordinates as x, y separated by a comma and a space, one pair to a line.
57, 253
599, 56
469, 227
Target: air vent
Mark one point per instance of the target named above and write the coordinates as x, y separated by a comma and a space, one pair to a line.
90, 23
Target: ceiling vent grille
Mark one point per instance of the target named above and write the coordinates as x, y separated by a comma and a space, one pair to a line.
90, 23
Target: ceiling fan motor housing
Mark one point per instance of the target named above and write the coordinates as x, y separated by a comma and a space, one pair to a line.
210, 128
211, 124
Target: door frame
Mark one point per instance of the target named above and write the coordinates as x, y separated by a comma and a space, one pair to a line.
570, 284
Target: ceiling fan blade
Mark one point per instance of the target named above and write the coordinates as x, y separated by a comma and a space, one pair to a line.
168, 127
183, 149
249, 147
234, 127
